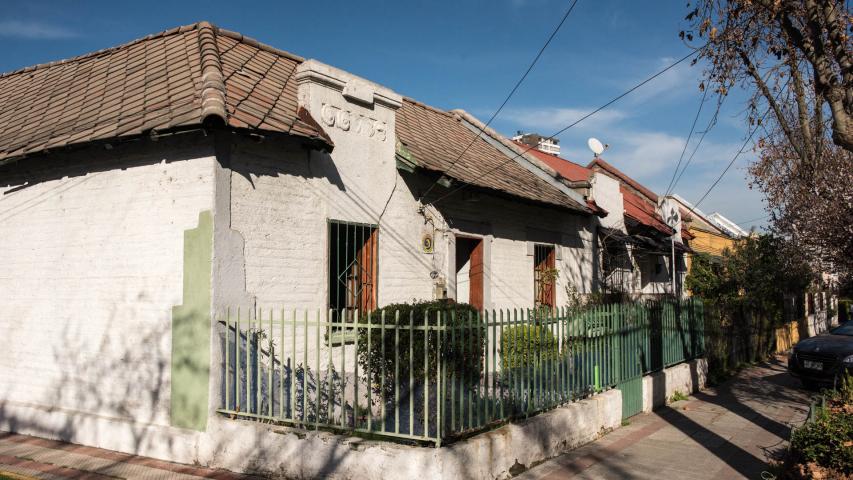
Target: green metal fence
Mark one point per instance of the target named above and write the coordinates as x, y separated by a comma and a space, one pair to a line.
441, 376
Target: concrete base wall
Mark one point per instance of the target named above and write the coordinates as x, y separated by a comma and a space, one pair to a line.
253, 447
246, 446
686, 378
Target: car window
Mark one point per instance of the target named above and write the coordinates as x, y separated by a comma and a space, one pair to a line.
846, 329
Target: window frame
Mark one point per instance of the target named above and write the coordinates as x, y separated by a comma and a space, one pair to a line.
374, 230
550, 258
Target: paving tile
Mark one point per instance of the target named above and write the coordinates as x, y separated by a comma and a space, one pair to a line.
727, 433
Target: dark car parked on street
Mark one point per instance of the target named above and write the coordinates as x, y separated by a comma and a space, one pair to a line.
822, 360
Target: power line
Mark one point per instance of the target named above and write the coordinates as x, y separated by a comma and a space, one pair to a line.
711, 124
739, 152
511, 93
752, 220
562, 130
687, 142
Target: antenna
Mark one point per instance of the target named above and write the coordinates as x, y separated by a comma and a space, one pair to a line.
596, 146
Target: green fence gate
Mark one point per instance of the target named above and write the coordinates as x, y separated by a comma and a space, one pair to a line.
631, 343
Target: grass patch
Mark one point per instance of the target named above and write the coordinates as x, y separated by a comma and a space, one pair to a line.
678, 396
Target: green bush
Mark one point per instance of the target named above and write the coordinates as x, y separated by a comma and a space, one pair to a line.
521, 345
826, 441
460, 352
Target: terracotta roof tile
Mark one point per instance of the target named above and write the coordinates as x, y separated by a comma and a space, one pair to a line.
599, 163
437, 138
567, 169
154, 82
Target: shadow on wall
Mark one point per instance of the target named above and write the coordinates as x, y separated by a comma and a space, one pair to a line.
123, 380
483, 212
255, 161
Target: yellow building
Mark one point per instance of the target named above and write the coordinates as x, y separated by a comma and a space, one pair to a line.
708, 237
707, 240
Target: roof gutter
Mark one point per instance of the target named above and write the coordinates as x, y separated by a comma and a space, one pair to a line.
527, 161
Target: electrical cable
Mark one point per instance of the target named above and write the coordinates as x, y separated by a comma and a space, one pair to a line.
687, 142
564, 129
511, 93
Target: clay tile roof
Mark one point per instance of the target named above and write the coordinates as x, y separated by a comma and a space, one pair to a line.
615, 172
568, 169
642, 211
176, 78
436, 139
639, 202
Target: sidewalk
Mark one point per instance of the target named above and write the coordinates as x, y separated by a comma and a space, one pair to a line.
724, 433
26, 458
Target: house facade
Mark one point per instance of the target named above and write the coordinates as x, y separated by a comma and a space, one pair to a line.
636, 246
709, 238
197, 172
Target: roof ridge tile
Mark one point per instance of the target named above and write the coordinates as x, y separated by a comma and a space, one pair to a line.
212, 79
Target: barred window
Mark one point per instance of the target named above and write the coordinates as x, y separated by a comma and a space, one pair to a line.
353, 267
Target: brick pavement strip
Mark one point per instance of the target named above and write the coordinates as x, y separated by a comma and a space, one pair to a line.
725, 433
50, 459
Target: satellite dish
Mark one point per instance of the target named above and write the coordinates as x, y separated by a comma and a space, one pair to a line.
596, 146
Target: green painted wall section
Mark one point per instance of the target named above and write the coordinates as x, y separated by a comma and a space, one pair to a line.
191, 330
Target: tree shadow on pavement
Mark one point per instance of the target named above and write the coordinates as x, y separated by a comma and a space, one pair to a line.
734, 456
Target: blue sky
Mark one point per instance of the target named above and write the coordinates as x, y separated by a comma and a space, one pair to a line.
466, 54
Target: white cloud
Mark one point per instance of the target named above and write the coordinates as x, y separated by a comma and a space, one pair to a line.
548, 120
676, 82
34, 30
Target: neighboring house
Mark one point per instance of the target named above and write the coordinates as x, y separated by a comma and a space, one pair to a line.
655, 249
147, 188
635, 247
708, 238
730, 227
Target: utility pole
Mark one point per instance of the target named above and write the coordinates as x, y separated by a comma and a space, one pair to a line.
672, 265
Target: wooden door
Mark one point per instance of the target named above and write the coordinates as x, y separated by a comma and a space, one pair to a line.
366, 264
475, 276
544, 276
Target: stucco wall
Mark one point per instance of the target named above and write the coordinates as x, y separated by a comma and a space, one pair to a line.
92, 254
282, 197
511, 228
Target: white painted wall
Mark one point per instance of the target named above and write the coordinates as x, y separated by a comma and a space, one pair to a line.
92, 265
605, 192
282, 198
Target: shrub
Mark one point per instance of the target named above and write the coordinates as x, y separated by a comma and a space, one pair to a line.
460, 352
522, 344
826, 441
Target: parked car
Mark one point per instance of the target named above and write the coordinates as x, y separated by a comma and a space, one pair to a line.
823, 359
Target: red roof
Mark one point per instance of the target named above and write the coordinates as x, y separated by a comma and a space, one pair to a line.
642, 207
641, 210
599, 162
569, 170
